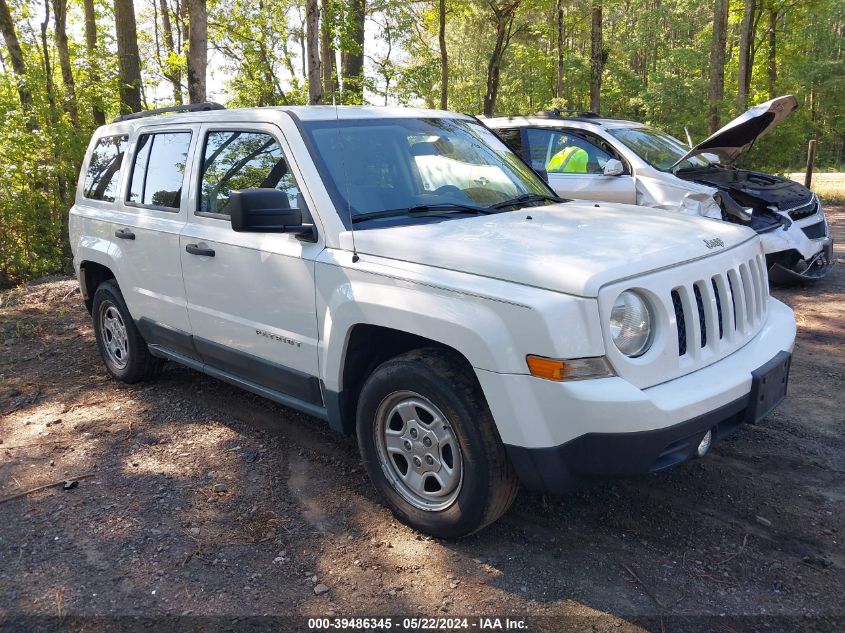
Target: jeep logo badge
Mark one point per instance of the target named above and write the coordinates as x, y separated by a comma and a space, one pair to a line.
714, 243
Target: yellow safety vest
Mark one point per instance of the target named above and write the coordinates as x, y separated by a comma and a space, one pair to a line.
569, 160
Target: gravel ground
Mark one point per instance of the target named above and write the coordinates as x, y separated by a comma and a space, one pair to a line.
210, 506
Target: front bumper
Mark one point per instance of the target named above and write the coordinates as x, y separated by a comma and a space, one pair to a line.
558, 434
790, 266
564, 468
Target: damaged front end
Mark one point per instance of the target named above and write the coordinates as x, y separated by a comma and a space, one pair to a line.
788, 217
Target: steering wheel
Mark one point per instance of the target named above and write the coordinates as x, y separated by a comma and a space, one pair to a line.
447, 189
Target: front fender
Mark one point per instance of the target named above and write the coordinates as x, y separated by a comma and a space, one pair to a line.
493, 331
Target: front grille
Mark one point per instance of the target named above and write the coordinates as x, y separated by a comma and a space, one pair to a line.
815, 231
804, 210
718, 311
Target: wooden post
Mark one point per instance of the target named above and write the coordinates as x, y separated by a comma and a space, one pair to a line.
811, 158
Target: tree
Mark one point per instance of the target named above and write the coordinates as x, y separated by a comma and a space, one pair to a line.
197, 50
7, 25
352, 52
772, 60
327, 56
312, 34
746, 43
502, 17
60, 18
444, 56
596, 56
91, 49
717, 63
128, 59
559, 33
171, 63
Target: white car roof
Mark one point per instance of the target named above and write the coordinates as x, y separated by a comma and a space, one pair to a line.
257, 115
584, 123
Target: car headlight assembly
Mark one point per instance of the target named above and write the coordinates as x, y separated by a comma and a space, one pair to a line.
631, 323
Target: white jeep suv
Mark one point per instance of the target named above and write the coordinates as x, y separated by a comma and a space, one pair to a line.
404, 276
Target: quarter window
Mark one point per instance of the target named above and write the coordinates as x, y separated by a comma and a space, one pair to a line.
159, 169
235, 160
104, 168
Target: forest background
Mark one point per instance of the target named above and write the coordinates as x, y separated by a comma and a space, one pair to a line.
68, 66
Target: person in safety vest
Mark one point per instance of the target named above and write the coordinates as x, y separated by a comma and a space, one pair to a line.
569, 160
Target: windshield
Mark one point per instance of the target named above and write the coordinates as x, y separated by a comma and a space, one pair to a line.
378, 170
658, 149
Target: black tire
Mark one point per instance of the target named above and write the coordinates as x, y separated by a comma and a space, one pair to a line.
133, 361
488, 484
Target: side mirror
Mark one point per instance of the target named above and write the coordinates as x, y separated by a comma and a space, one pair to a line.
265, 211
614, 167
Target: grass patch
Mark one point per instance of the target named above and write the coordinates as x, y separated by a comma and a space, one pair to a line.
830, 187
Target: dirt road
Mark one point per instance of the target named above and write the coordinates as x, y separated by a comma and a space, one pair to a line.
208, 501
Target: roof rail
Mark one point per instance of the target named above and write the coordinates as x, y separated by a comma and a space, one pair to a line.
191, 107
557, 113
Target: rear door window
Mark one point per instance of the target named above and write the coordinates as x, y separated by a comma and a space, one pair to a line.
104, 168
159, 170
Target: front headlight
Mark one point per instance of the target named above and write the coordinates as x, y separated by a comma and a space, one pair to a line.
630, 324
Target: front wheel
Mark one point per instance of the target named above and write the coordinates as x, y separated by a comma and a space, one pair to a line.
430, 445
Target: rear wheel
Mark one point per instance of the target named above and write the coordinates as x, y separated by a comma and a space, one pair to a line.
430, 445
122, 347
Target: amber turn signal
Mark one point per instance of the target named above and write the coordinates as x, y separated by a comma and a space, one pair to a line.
560, 370
548, 368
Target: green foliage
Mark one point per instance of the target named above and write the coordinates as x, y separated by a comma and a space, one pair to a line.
657, 57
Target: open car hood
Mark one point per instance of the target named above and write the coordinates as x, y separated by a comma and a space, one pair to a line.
739, 135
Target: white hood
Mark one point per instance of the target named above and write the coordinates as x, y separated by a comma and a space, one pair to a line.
739, 135
573, 247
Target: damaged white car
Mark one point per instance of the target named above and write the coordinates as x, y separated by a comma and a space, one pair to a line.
585, 156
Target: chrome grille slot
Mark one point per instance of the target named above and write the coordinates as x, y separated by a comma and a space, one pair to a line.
702, 322
719, 313
748, 295
680, 323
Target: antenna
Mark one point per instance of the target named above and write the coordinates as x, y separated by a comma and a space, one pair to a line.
340, 148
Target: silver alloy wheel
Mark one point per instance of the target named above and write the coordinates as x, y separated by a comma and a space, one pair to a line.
113, 334
418, 451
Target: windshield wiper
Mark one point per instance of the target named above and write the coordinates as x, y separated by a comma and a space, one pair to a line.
526, 197
418, 210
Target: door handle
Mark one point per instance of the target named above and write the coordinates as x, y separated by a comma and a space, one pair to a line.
124, 234
194, 249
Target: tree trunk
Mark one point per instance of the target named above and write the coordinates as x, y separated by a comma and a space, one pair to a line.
717, 63
772, 64
173, 74
312, 34
596, 57
327, 62
352, 56
444, 57
128, 60
503, 16
7, 25
494, 66
559, 82
60, 18
746, 40
197, 50
91, 49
